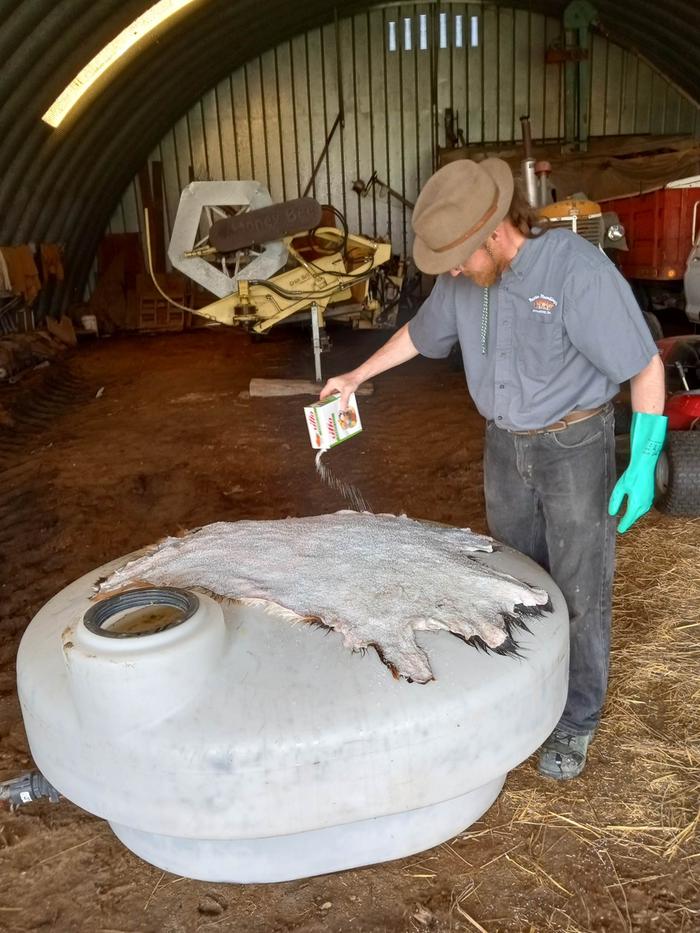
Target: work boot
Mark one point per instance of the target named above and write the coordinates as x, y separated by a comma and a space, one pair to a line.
563, 755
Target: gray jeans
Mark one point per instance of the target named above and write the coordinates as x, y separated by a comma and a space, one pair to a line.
547, 496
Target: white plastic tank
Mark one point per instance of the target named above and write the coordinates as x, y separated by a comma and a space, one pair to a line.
224, 744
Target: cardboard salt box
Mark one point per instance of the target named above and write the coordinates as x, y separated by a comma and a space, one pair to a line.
328, 425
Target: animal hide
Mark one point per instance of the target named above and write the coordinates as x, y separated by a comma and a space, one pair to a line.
374, 579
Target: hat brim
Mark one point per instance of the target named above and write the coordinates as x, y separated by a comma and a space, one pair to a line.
433, 263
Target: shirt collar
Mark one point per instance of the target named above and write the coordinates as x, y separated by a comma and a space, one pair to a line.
523, 260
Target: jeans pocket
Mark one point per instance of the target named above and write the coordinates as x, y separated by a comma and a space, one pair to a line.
580, 434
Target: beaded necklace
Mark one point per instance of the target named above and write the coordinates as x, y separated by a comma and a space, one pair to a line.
485, 322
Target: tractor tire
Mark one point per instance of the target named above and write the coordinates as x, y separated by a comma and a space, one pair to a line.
455, 361
654, 325
641, 293
623, 417
622, 453
678, 474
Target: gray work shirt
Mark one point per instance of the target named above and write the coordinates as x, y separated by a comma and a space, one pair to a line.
564, 331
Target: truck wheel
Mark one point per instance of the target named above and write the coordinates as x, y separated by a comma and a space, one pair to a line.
654, 325
678, 474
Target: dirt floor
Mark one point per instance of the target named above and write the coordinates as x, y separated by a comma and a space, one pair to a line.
129, 439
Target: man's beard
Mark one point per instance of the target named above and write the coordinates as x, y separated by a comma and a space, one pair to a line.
485, 278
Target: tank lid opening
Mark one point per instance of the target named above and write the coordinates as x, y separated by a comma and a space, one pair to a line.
140, 612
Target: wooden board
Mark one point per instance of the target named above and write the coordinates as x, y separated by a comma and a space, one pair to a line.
266, 388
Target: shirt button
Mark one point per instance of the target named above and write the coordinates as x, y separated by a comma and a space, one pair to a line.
501, 386
499, 418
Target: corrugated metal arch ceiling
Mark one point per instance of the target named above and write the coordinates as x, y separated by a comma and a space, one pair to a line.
62, 184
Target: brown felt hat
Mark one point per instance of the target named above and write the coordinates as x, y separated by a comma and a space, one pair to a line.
457, 211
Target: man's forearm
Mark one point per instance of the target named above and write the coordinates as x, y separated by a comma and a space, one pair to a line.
394, 352
648, 388
398, 350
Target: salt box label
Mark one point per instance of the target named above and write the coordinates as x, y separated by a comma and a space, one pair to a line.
328, 425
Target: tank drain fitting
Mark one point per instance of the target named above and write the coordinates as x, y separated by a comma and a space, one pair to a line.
25, 789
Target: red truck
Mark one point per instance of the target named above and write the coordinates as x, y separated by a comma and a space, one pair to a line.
662, 228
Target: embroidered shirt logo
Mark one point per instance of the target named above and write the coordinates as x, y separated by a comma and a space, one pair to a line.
543, 304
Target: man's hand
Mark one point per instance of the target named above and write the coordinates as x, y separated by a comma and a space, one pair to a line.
639, 489
638, 481
345, 384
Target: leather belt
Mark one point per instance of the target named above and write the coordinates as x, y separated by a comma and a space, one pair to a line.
572, 418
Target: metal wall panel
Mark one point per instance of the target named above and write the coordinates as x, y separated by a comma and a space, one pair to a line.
271, 118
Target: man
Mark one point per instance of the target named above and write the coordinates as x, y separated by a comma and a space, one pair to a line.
548, 330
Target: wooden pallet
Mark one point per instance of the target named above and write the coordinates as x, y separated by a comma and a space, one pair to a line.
153, 312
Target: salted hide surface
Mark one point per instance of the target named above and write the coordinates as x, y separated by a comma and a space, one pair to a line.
374, 579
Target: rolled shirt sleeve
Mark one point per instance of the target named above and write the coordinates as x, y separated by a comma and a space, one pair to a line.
605, 323
433, 330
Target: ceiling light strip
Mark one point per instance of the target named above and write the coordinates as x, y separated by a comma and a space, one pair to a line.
105, 58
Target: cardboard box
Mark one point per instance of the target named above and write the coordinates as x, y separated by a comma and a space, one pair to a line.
328, 426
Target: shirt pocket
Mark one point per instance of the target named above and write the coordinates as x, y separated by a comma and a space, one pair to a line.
539, 344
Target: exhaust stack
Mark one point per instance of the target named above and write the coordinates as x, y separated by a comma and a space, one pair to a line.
528, 164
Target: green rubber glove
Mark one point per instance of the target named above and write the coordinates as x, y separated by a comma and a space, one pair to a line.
637, 482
